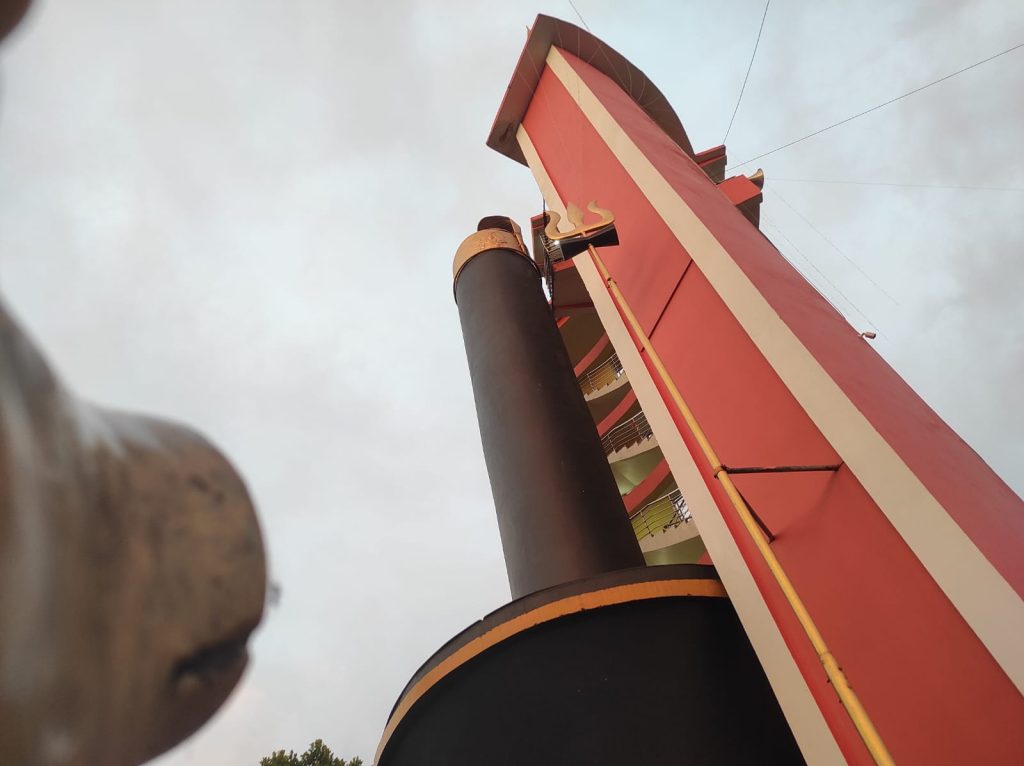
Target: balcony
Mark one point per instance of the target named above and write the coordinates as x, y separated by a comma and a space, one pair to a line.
629, 438
661, 515
563, 283
603, 378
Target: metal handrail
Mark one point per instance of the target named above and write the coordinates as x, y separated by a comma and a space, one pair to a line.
632, 431
668, 511
606, 373
551, 249
552, 255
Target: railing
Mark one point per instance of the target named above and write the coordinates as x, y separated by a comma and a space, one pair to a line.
633, 431
606, 373
667, 512
551, 250
552, 255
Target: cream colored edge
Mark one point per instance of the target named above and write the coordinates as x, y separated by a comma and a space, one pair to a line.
798, 705
982, 596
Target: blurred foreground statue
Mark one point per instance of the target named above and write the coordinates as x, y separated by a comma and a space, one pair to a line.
131, 574
131, 570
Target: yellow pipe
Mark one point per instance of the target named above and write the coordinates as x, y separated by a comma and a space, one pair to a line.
858, 715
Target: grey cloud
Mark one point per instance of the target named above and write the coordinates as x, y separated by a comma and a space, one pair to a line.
242, 215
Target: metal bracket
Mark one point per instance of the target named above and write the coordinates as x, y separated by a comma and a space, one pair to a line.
781, 468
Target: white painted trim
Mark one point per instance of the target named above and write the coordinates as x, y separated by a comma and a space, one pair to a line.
979, 592
798, 705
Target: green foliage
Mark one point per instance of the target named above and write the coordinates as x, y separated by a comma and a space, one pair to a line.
317, 755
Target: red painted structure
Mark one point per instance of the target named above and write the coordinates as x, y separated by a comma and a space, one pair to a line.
928, 652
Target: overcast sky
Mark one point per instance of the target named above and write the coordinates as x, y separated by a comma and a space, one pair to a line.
241, 214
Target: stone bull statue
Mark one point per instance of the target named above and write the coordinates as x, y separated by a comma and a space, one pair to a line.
131, 570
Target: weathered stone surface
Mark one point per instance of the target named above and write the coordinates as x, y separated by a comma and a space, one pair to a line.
131, 574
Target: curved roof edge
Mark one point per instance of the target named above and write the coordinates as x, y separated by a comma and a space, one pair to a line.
548, 31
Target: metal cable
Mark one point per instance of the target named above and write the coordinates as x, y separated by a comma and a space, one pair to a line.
879, 106
749, 67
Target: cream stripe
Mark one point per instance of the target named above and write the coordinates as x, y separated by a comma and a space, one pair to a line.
983, 597
805, 718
